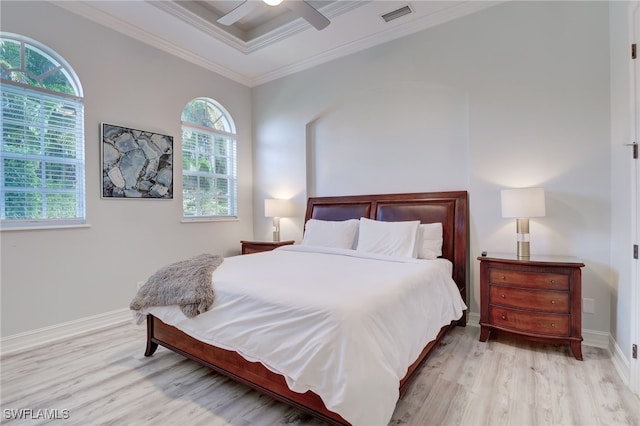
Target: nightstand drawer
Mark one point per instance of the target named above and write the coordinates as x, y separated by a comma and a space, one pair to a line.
253, 249
530, 322
549, 281
536, 300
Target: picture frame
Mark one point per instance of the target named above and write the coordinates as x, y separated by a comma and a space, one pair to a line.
136, 164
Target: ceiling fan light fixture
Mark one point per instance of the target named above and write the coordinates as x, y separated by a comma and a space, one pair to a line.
299, 7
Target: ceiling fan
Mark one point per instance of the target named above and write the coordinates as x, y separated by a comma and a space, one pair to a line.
299, 7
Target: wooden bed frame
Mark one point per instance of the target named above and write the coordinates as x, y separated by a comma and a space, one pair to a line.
450, 208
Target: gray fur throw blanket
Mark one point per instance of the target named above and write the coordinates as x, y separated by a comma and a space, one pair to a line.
187, 283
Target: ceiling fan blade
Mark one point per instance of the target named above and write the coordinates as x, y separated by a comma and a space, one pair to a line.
308, 12
240, 11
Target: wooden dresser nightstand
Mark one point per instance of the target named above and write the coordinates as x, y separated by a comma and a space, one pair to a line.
539, 298
249, 247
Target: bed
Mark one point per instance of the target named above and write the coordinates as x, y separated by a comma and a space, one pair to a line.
448, 208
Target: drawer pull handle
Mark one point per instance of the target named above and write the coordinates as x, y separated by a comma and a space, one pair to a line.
553, 325
553, 302
504, 278
504, 317
503, 296
553, 281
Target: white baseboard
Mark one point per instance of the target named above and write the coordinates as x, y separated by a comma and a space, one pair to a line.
596, 339
30, 339
473, 319
620, 362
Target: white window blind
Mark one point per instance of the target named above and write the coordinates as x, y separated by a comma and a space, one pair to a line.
42, 158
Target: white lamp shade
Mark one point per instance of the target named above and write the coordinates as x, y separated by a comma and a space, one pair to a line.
523, 202
274, 207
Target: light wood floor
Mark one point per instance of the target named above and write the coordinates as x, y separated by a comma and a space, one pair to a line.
465, 382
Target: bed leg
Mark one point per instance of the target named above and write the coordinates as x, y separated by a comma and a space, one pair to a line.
151, 348
151, 345
462, 322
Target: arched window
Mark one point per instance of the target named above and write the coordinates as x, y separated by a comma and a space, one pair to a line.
42, 147
209, 182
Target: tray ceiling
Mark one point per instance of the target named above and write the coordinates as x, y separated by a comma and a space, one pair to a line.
271, 41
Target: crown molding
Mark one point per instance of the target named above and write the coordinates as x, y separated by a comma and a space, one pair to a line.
455, 11
330, 11
256, 43
91, 12
88, 11
185, 15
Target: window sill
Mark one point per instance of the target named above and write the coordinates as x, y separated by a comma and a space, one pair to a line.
209, 219
44, 228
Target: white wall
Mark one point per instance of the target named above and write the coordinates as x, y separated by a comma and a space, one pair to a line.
536, 79
365, 146
50, 277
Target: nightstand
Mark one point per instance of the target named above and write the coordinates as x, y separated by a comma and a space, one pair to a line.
538, 299
249, 247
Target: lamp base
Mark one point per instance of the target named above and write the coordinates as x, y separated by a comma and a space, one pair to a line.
522, 230
276, 229
523, 250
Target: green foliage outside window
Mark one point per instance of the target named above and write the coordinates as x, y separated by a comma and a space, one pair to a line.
39, 69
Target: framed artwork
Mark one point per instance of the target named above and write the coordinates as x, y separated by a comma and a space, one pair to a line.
136, 163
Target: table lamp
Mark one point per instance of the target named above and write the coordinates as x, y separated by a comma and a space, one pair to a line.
523, 203
277, 208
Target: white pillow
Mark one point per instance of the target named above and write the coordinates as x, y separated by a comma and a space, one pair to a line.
391, 238
430, 241
327, 233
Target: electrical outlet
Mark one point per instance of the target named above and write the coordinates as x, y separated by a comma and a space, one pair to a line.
140, 284
588, 306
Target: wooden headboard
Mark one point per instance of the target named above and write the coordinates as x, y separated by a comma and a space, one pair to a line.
449, 208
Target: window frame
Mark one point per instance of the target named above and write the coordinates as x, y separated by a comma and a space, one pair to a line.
46, 99
229, 136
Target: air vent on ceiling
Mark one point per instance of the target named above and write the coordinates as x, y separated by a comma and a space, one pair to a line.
395, 14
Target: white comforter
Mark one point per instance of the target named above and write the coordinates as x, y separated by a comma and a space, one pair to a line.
340, 323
